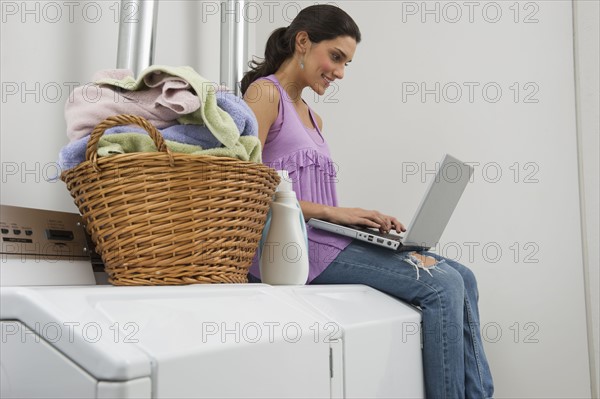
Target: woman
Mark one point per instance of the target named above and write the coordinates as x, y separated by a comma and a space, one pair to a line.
313, 52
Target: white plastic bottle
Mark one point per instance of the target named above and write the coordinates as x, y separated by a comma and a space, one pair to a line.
284, 254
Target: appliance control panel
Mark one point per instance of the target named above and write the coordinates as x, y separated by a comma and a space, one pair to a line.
41, 233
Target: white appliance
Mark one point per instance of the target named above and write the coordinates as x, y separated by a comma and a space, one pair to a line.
65, 333
208, 341
235, 340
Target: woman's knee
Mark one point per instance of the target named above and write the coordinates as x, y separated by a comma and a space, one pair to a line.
445, 283
464, 271
467, 275
469, 279
454, 281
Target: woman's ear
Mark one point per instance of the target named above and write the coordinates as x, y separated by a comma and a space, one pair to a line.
302, 41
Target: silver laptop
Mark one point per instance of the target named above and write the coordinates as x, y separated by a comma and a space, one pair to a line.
431, 218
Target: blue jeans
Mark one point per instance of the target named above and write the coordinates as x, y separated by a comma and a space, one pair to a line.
454, 363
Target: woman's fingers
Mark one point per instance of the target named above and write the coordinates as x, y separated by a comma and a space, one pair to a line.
372, 219
369, 221
398, 226
388, 223
383, 222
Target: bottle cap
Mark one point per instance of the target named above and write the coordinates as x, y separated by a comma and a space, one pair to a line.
286, 183
284, 194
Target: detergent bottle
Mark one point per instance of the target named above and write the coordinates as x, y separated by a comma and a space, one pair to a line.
284, 247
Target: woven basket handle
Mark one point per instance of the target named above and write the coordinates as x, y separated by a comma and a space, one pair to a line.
91, 153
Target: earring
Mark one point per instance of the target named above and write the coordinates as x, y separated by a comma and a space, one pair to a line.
302, 64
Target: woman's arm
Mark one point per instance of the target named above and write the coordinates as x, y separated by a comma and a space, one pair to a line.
355, 216
263, 99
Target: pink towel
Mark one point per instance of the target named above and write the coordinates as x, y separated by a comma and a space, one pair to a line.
166, 99
175, 92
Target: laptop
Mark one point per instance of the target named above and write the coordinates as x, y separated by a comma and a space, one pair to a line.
431, 218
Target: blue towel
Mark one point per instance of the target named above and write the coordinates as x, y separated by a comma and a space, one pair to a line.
236, 107
73, 153
240, 112
184, 134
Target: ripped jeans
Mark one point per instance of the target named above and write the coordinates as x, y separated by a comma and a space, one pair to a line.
454, 363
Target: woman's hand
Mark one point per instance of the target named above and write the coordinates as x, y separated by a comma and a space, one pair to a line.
363, 217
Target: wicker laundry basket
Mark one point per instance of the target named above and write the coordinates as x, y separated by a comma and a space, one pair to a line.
162, 218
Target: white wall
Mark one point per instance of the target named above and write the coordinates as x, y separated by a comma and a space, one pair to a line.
587, 42
524, 198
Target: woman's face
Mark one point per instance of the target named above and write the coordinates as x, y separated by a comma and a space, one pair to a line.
325, 62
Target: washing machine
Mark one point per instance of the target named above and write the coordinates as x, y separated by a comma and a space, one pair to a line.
66, 333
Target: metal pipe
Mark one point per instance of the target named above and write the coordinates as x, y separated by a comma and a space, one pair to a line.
234, 44
137, 32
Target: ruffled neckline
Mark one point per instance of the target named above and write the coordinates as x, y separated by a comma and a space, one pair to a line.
302, 158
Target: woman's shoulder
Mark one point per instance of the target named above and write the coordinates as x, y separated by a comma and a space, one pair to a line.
262, 91
263, 98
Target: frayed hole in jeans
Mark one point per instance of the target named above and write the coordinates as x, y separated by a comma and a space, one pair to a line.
424, 262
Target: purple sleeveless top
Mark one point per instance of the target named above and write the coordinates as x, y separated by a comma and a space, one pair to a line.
303, 152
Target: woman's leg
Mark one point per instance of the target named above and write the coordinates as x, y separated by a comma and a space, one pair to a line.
478, 377
438, 291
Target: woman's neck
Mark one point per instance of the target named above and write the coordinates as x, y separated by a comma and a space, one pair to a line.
288, 77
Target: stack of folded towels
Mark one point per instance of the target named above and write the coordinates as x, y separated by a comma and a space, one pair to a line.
194, 115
